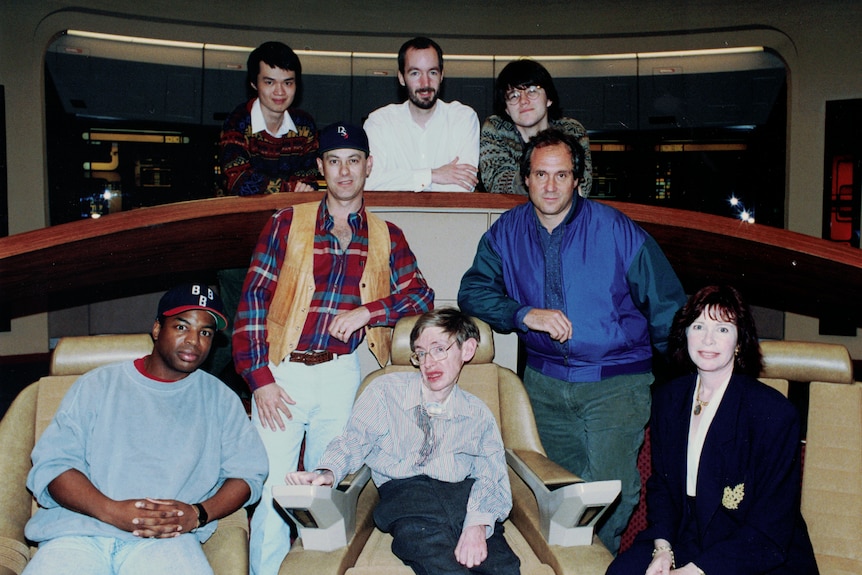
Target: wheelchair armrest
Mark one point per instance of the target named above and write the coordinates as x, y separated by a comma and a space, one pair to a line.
325, 516
533, 467
568, 507
355, 481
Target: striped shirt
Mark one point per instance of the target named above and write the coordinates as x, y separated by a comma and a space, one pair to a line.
384, 433
336, 277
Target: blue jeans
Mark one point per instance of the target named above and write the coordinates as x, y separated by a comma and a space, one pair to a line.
595, 430
324, 395
73, 555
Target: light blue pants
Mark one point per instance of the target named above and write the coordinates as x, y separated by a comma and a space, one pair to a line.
324, 395
74, 555
595, 430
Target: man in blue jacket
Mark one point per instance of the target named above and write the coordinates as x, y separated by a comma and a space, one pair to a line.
589, 293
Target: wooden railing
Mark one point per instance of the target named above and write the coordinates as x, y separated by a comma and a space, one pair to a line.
149, 249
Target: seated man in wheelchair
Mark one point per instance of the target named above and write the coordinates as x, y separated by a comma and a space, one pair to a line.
435, 454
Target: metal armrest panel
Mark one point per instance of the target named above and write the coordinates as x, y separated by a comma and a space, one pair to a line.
568, 507
325, 516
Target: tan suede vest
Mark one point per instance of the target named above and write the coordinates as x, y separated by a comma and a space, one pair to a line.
295, 287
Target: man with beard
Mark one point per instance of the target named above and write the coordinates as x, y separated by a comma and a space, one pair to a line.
423, 144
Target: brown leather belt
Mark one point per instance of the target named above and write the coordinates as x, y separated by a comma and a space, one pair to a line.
312, 357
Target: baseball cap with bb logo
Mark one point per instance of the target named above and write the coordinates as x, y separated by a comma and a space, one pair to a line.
187, 297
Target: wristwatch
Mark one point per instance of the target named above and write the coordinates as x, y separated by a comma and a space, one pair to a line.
203, 518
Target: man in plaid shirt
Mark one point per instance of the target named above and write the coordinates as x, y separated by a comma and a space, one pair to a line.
323, 277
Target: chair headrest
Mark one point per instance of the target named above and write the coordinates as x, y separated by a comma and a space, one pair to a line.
806, 361
401, 342
78, 355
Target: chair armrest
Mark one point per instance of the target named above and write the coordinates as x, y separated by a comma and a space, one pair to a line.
540, 469
325, 516
227, 548
301, 560
17, 436
568, 507
14, 556
355, 481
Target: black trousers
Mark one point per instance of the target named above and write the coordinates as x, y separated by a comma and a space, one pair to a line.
425, 517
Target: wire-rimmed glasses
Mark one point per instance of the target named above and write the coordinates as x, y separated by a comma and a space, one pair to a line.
514, 95
437, 353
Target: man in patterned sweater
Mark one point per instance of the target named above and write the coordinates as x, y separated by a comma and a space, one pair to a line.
266, 146
525, 102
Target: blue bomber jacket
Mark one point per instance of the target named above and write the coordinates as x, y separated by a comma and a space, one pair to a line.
618, 290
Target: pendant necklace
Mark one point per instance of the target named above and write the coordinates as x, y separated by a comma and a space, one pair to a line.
700, 404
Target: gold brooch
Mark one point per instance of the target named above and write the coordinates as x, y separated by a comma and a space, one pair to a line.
733, 497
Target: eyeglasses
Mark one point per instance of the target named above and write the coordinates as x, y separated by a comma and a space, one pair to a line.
437, 353
532, 92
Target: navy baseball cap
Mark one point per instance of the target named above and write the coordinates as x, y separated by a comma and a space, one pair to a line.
187, 297
342, 135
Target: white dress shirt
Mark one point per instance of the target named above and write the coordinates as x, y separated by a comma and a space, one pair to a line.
258, 122
405, 153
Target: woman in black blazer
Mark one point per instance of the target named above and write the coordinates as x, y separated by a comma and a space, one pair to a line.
723, 497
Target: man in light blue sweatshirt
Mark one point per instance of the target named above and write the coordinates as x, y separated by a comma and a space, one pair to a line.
143, 456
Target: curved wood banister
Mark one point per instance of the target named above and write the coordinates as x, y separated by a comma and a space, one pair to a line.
149, 249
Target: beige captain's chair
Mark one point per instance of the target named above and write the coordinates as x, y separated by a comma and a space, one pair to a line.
30, 414
567, 508
832, 469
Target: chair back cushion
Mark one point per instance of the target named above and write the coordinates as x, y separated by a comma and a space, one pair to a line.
806, 361
481, 380
78, 355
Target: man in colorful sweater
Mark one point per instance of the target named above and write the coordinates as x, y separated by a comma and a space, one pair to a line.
266, 146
